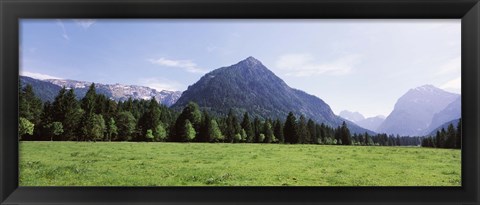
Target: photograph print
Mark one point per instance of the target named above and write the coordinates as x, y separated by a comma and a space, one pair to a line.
184, 102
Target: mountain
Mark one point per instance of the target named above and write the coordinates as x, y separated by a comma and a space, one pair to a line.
352, 116
451, 112
249, 86
444, 126
48, 89
414, 111
371, 123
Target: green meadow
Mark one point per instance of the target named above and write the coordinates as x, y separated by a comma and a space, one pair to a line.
222, 164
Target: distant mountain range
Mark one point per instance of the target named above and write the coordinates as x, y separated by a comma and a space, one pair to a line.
420, 110
371, 123
48, 89
249, 86
352, 116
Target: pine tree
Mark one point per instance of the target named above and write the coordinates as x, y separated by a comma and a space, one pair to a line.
247, 126
232, 127
65, 109
345, 134
30, 107
204, 135
88, 102
450, 137
151, 117
290, 129
441, 138
257, 127
312, 132
278, 131
302, 131
126, 126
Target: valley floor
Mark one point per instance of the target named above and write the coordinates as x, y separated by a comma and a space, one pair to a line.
199, 164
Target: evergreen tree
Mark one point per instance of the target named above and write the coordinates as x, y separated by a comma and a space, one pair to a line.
345, 134
232, 127
126, 126
30, 107
151, 118
65, 109
312, 132
204, 135
257, 127
290, 129
269, 137
45, 118
88, 102
302, 131
278, 131
247, 126
73, 114
441, 138
450, 137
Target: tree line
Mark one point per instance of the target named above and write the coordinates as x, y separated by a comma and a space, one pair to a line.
450, 138
97, 118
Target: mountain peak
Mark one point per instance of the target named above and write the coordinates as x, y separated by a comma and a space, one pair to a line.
250, 62
427, 87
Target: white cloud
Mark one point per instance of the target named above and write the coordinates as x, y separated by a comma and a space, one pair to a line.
85, 23
453, 85
187, 65
161, 84
64, 31
306, 65
451, 66
38, 75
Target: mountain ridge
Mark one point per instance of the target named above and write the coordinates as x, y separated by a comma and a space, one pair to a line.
413, 111
118, 92
249, 86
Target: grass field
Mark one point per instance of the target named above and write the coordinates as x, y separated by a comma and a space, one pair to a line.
178, 164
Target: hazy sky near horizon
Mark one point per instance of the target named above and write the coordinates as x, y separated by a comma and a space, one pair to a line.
356, 65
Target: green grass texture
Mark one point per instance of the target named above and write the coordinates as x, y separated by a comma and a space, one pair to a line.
222, 164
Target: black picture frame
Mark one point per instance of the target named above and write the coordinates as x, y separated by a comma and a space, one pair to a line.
466, 10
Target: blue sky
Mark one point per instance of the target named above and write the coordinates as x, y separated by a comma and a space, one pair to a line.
356, 65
